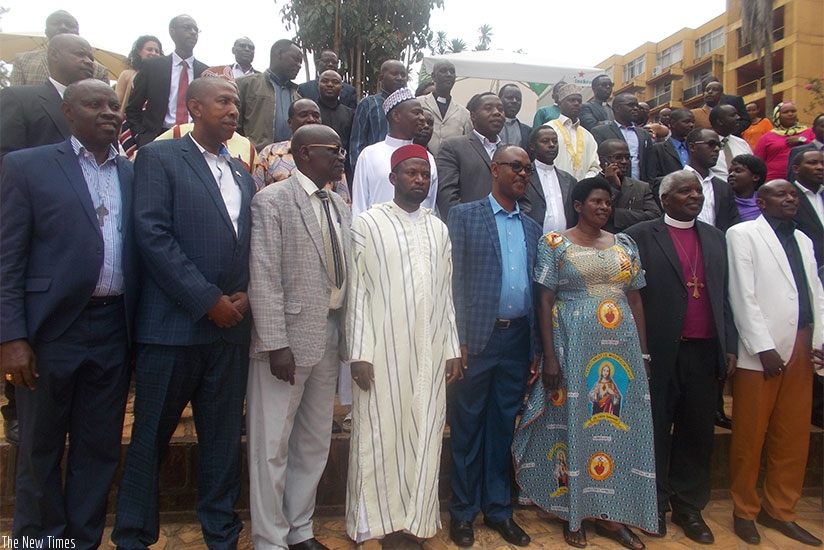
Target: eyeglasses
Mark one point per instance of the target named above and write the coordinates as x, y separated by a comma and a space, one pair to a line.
712, 144
517, 167
336, 149
620, 156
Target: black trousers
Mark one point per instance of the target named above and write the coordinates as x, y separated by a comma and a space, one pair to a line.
683, 415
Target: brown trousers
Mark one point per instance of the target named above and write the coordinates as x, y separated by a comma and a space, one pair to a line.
779, 409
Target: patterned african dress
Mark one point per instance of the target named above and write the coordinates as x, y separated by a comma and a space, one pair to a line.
586, 450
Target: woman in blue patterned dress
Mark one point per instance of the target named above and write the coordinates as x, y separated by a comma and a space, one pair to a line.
589, 415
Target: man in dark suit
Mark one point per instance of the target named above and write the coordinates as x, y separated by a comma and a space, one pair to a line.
816, 145
494, 249
514, 131
597, 111
161, 85
30, 115
546, 199
632, 200
692, 343
328, 61
68, 288
192, 226
720, 209
671, 155
637, 139
464, 162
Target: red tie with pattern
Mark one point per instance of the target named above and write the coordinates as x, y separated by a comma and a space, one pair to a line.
181, 113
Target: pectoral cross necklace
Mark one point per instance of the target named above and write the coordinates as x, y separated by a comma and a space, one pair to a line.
101, 209
693, 284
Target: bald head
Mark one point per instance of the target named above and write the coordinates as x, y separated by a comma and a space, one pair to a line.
92, 112
778, 199
70, 58
201, 88
392, 75
317, 152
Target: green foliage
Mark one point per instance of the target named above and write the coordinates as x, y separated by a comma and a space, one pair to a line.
364, 33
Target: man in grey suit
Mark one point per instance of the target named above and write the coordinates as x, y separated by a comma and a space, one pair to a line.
300, 243
546, 199
632, 200
596, 111
465, 162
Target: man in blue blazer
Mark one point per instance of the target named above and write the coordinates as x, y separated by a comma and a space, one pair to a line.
192, 226
68, 288
494, 249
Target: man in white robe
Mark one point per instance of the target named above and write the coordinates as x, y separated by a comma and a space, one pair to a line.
403, 343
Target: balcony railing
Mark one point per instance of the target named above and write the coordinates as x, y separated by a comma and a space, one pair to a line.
745, 49
755, 85
692, 92
666, 97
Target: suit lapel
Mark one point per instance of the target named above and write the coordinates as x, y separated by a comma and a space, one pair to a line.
535, 182
670, 150
50, 102
479, 148
767, 234
165, 80
310, 220
492, 228
664, 240
69, 164
195, 159
243, 221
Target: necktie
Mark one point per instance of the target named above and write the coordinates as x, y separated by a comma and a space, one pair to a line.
334, 257
725, 147
181, 112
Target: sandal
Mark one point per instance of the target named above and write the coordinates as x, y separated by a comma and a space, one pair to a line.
578, 538
623, 536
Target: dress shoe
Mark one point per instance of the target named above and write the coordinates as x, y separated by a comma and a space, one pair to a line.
662, 526
722, 420
694, 526
509, 530
311, 544
746, 531
461, 533
788, 528
12, 429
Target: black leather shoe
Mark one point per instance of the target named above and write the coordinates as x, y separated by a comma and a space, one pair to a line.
509, 530
722, 420
788, 528
694, 526
12, 429
311, 544
461, 533
746, 531
662, 526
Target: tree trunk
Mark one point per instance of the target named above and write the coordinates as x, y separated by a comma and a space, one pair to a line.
768, 78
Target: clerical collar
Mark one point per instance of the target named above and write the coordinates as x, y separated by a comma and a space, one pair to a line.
544, 166
678, 224
439, 99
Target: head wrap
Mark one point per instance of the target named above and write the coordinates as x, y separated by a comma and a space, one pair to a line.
776, 120
568, 90
396, 98
220, 71
411, 151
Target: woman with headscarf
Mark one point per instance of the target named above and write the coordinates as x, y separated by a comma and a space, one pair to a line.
774, 147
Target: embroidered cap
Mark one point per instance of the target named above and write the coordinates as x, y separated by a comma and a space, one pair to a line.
396, 98
568, 90
411, 151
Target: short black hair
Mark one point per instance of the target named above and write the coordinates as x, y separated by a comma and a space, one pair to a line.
755, 165
815, 120
534, 134
695, 135
505, 86
715, 114
281, 45
599, 77
474, 103
679, 114
799, 157
586, 186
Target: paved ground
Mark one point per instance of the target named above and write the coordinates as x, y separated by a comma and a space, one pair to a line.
331, 531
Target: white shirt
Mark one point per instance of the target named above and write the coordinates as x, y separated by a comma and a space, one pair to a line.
734, 146
371, 185
61, 89
237, 70
489, 146
177, 67
222, 172
816, 199
555, 217
707, 214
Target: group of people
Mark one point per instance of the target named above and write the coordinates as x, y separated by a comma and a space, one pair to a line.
576, 274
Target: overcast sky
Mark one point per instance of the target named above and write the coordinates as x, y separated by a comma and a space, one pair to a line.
580, 32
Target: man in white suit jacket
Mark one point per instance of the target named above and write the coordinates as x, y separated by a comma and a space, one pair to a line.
296, 292
778, 305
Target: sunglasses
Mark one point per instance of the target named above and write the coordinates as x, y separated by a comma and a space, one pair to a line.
336, 149
712, 144
517, 167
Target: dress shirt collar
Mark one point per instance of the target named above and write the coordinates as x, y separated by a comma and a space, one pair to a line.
781, 227
809, 192
484, 141
677, 143
223, 152
566, 121
304, 181
621, 126
236, 68
396, 142
176, 59
678, 224
698, 175
61, 89
544, 166
81, 151
496, 207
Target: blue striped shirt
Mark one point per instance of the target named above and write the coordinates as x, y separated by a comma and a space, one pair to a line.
369, 126
516, 294
103, 184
